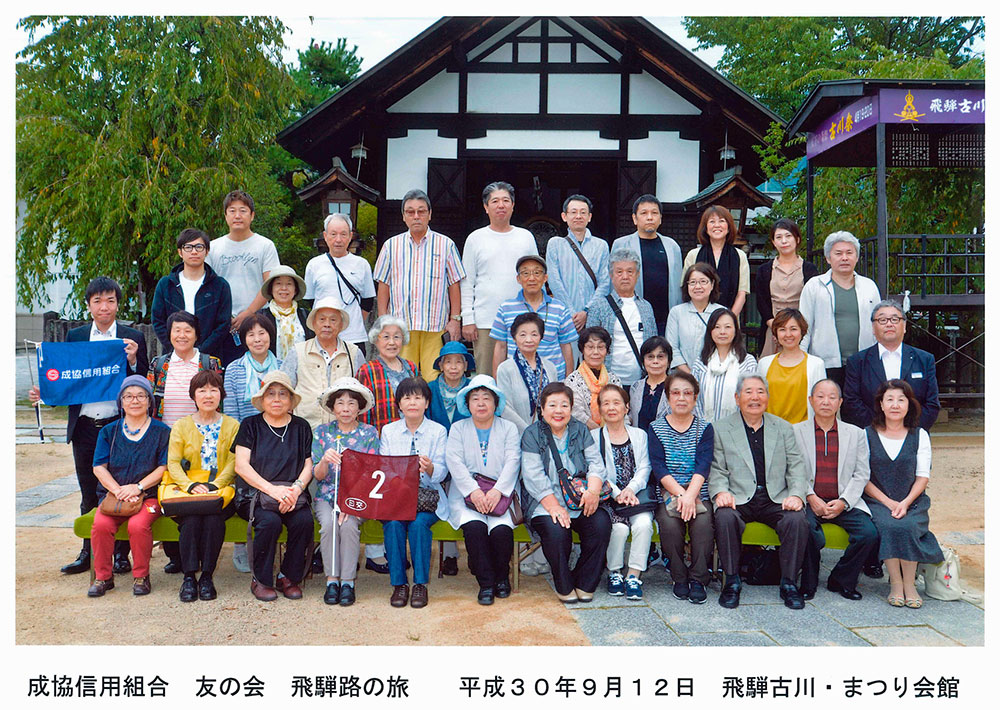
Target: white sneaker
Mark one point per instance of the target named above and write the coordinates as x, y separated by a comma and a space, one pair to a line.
240, 561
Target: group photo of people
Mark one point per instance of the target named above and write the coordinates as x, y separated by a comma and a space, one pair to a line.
601, 400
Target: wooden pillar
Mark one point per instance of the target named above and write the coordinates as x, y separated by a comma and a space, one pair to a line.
810, 195
881, 213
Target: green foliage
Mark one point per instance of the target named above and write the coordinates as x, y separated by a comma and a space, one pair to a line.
130, 129
323, 70
367, 220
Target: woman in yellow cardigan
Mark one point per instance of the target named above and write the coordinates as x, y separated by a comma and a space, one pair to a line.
199, 462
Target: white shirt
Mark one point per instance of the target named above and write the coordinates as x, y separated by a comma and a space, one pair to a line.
894, 446
892, 361
623, 362
190, 289
322, 281
490, 258
243, 265
101, 410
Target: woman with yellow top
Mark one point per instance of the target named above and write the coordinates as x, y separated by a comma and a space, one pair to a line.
791, 373
199, 462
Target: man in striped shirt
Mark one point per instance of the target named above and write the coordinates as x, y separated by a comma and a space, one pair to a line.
559, 331
418, 274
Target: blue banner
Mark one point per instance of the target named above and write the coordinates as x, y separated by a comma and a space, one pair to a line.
81, 372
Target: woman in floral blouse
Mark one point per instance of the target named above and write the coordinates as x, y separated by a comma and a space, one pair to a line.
346, 400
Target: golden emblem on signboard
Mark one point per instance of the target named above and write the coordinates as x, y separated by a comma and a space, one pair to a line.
909, 112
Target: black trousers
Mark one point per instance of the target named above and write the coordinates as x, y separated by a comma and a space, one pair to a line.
201, 538
84, 442
266, 529
792, 528
862, 540
489, 552
557, 541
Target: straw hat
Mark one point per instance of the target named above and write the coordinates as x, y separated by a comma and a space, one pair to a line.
282, 270
279, 377
351, 385
332, 303
480, 382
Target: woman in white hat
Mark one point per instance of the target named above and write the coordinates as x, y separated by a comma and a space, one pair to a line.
346, 399
274, 465
283, 289
315, 364
484, 461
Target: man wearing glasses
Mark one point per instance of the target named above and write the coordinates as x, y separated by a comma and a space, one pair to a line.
193, 286
344, 276
890, 358
244, 259
419, 274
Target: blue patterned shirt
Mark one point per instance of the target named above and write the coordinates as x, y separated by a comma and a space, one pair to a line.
568, 280
558, 321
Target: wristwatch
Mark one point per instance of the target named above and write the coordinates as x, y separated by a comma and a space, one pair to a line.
139, 486
457, 317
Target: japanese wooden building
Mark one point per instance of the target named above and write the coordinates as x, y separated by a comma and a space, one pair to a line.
608, 107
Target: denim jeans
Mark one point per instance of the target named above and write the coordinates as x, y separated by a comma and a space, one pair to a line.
418, 531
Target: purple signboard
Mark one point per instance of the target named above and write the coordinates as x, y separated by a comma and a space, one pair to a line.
917, 106
846, 123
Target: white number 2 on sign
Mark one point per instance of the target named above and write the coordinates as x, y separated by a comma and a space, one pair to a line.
379, 477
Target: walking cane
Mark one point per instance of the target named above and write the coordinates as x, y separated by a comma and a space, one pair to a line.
38, 404
336, 512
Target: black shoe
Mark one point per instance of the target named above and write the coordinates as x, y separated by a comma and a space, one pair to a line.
682, 590
173, 567
730, 597
317, 566
836, 587
189, 589
485, 596
874, 571
206, 590
332, 594
502, 589
449, 567
792, 596
807, 594
80, 564
376, 567
346, 595
697, 594
122, 565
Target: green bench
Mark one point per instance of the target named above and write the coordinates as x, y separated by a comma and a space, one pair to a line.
165, 530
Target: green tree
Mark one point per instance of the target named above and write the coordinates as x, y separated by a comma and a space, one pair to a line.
323, 70
130, 129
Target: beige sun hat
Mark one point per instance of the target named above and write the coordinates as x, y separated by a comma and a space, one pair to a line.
349, 384
282, 270
279, 377
328, 302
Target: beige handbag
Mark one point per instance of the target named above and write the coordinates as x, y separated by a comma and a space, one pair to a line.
941, 581
671, 507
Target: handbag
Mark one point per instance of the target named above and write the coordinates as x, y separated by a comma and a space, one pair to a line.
268, 503
941, 581
176, 501
647, 496
110, 505
671, 507
506, 502
427, 500
572, 487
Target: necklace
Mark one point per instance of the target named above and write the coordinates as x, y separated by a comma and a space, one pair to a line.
281, 436
129, 432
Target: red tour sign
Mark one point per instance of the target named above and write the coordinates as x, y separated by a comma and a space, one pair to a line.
378, 487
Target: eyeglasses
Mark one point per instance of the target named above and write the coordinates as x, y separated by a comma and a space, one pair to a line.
141, 397
422, 212
390, 337
196, 248
699, 282
593, 347
534, 274
682, 393
882, 320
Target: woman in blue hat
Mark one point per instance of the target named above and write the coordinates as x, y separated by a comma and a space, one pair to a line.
484, 461
454, 362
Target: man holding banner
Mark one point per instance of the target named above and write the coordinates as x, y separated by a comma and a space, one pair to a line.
89, 406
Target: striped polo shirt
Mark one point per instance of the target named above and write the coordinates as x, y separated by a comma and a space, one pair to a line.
558, 321
418, 277
177, 402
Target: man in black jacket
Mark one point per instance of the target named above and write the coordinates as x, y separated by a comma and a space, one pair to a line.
86, 420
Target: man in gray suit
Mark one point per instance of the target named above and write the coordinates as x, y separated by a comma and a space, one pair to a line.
758, 474
836, 455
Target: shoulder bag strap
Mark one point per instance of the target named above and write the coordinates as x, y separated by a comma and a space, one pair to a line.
350, 286
554, 450
628, 332
579, 255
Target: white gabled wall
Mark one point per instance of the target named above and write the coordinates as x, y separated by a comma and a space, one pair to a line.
585, 93
406, 160
439, 94
676, 163
503, 93
542, 140
648, 95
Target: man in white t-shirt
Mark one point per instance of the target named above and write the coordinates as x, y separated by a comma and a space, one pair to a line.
490, 258
344, 276
244, 259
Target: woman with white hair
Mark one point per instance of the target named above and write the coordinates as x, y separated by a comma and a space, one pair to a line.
838, 306
383, 373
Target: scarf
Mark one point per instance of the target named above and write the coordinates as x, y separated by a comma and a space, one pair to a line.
595, 384
255, 372
728, 268
285, 321
535, 379
716, 396
449, 395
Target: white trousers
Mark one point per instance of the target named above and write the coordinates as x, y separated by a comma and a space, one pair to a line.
641, 526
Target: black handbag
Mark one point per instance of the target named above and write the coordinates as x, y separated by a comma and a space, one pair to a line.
647, 496
427, 500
